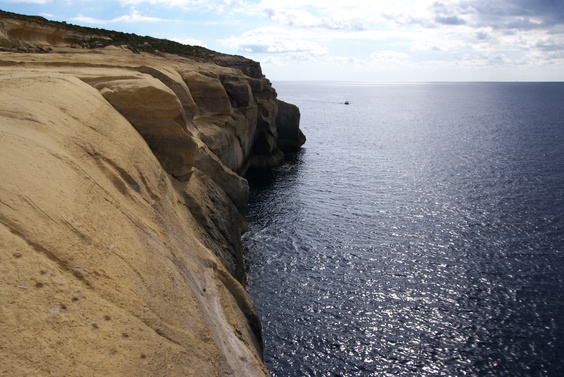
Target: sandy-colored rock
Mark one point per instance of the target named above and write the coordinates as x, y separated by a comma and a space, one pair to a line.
122, 206
231, 135
234, 186
174, 81
221, 134
221, 225
30, 36
238, 90
157, 113
208, 93
266, 152
267, 132
104, 269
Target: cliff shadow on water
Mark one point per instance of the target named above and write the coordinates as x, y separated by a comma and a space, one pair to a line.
272, 190
265, 180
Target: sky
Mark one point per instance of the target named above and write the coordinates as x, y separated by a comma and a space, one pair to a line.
347, 40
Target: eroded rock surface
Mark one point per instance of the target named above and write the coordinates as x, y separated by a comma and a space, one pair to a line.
122, 205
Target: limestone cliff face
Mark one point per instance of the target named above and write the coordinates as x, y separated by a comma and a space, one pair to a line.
122, 205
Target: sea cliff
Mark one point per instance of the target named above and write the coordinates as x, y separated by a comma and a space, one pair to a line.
122, 202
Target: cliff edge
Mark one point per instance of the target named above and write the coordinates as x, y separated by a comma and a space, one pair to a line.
122, 203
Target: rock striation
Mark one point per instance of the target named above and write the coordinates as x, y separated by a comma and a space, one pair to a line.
122, 204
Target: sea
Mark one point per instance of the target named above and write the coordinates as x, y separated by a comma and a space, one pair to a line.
418, 232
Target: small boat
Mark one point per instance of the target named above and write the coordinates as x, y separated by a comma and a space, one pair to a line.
346, 102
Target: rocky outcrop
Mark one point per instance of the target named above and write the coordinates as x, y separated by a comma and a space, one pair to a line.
122, 203
290, 137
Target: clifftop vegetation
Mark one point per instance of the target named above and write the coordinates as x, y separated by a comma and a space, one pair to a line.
98, 38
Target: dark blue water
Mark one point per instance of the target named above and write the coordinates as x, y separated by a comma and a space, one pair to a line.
419, 232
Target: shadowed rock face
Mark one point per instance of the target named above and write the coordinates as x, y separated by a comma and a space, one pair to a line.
157, 114
122, 207
290, 137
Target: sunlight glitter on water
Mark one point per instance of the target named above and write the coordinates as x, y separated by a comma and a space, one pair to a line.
426, 242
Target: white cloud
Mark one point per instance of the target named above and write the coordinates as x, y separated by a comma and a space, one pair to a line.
353, 11
423, 34
390, 58
133, 16
303, 18
274, 40
42, 2
189, 41
186, 4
